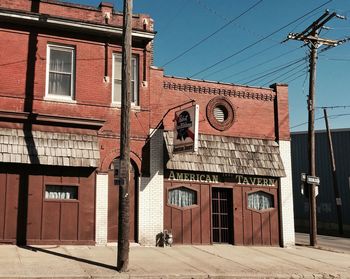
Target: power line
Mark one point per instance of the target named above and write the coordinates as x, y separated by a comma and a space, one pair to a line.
273, 70
333, 107
212, 34
260, 64
201, 3
260, 40
321, 117
240, 61
275, 79
290, 81
170, 21
336, 59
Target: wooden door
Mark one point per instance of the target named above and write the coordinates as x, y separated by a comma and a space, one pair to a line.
113, 205
256, 226
189, 223
222, 221
29, 216
9, 189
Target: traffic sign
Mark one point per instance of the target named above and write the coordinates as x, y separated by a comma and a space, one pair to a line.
313, 180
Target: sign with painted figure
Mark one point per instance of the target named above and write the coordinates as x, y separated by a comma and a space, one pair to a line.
186, 130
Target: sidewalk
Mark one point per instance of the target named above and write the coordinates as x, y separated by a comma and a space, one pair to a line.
214, 261
325, 242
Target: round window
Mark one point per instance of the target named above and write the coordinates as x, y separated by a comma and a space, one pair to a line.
220, 113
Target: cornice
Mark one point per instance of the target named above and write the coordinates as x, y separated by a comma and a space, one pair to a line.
52, 119
244, 94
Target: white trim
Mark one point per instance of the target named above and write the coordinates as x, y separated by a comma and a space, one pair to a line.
135, 70
80, 25
72, 84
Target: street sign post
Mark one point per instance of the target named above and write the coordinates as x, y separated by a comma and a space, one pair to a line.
313, 180
306, 181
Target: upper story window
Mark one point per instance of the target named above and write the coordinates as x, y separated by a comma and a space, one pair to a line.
117, 80
60, 72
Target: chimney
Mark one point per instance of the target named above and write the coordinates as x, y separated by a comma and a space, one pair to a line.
107, 10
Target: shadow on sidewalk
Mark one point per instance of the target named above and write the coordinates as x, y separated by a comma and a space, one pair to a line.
36, 249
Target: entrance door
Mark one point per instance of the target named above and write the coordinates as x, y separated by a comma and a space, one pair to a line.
222, 215
113, 202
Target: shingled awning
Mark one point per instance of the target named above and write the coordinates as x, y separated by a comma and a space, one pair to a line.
46, 148
220, 154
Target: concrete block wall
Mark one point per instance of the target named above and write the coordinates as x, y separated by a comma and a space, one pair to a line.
151, 194
101, 208
286, 197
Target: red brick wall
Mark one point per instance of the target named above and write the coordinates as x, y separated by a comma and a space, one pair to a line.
93, 95
17, 5
76, 12
13, 62
254, 107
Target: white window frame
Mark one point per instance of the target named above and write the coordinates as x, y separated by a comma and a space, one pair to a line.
135, 75
72, 73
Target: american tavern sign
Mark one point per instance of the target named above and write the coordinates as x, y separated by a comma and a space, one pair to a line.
215, 178
258, 181
197, 177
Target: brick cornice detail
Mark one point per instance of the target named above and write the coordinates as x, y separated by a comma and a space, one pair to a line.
218, 91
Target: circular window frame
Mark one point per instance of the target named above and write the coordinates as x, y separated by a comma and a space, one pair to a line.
225, 103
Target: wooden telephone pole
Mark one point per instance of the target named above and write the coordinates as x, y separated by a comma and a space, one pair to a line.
311, 37
338, 201
124, 202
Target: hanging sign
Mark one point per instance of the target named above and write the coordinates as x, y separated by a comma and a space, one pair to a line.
186, 130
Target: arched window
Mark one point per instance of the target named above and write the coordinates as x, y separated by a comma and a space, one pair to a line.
260, 200
182, 197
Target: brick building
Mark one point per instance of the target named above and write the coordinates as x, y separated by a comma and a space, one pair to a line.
60, 72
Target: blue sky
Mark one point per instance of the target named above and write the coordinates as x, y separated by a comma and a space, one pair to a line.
250, 56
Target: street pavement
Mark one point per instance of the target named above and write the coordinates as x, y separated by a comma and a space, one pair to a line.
179, 261
325, 242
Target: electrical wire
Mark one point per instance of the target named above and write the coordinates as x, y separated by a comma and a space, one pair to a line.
275, 79
170, 21
212, 34
201, 3
333, 107
258, 41
321, 117
240, 61
260, 64
271, 71
290, 81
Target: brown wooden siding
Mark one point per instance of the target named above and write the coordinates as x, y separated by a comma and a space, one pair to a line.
252, 227
45, 221
189, 225
9, 186
193, 225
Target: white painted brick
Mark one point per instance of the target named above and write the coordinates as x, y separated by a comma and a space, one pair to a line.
151, 194
286, 197
101, 208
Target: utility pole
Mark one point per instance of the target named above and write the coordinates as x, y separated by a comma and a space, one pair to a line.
124, 202
310, 36
334, 174
311, 139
